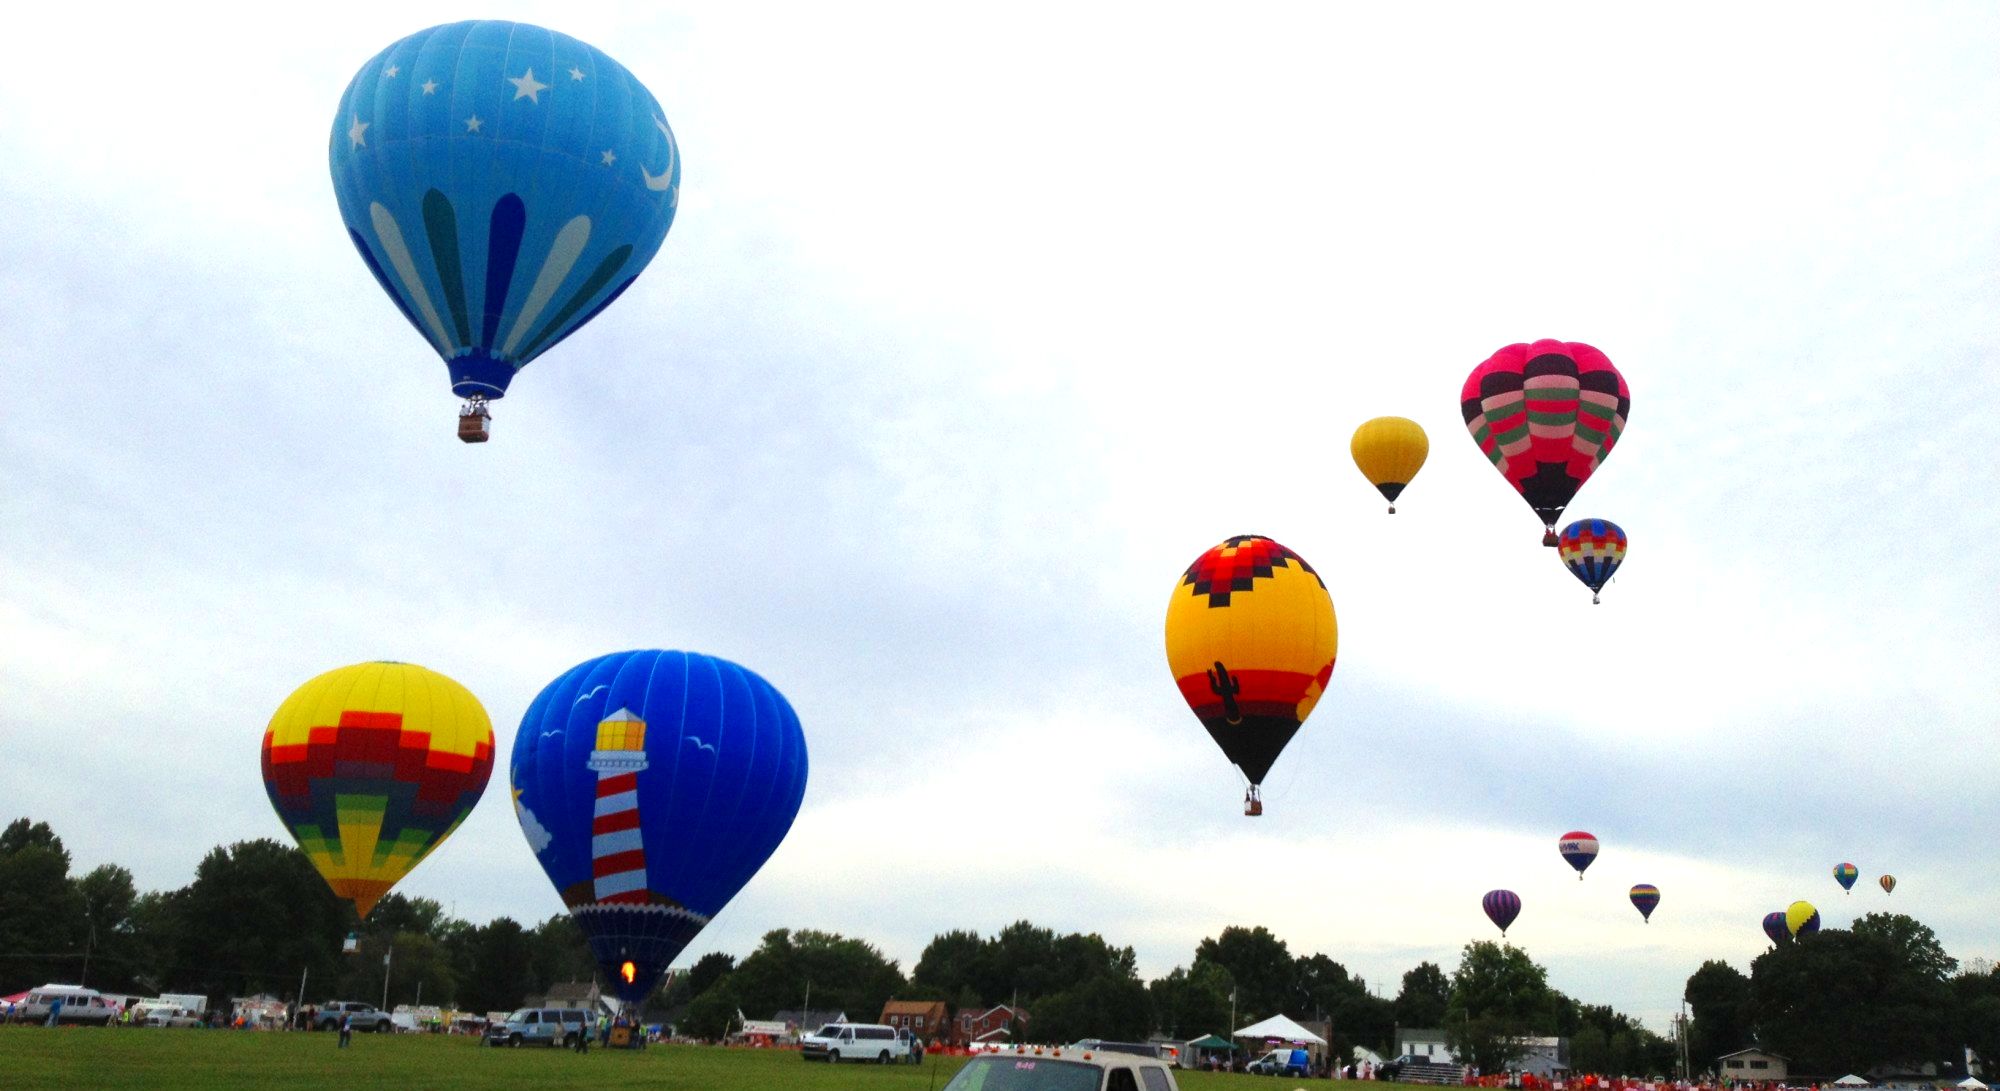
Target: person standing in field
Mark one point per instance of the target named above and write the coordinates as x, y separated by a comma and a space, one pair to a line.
346, 1030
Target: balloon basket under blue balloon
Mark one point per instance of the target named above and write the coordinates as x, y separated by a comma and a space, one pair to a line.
475, 423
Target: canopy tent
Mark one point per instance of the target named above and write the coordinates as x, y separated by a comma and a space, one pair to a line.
1850, 1080
1213, 1042
1281, 1028
1971, 1083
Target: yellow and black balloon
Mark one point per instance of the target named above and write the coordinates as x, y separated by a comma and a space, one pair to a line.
1389, 451
371, 767
1251, 639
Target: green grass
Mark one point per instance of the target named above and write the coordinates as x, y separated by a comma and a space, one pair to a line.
161, 1060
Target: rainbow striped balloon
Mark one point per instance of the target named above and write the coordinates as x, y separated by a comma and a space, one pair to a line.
1646, 898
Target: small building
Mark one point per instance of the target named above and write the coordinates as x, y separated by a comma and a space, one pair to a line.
1753, 1064
1425, 1042
1542, 1056
805, 1022
923, 1018
999, 1023
576, 994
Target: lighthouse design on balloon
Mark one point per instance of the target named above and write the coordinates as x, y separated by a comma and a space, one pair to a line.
617, 849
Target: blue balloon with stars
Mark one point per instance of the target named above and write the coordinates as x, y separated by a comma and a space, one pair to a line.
504, 183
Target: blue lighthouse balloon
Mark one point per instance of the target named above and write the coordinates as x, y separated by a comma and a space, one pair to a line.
504, 183
652, 785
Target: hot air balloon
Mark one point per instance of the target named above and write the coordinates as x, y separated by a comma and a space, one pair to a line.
1592, 549
1251, 638
1646, 898
1776, 928
503, 183
1845, 874
1579, 848
1801, 919
1888, 884
1501, 906
371, 766
651, 786
1390, 451
1546, 415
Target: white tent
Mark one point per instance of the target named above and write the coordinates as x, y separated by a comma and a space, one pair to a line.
1280, 1027
1971, 1083
1850, 1080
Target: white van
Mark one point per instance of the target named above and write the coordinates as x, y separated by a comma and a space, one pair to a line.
836, 1042
79, 1005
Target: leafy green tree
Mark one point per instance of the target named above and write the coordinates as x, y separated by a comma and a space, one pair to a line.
1260, 965
1498, 997
707, 970
1193, 1002
1718, 998
1106, 1006
1425, 993
395, 914
712, 1014
1916, 947
42, 931
953, 962
1849, 1001
107, 897
499, 974
256, 915
1976, 1005
419, 969
562, 953
845, 973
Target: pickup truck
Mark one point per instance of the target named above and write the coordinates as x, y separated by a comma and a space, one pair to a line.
360, 1017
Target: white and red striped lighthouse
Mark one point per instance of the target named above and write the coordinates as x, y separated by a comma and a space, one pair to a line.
617, 852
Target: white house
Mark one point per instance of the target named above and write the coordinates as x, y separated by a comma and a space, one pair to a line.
1753, 1064
1426, 1043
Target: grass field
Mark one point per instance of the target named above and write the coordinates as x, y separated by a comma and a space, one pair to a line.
159, 1060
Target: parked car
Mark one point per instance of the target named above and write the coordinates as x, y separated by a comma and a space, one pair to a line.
838, 1042
79, 1005
541, 1026
1282, 1062
1390, 1069
1063, 1068
360, 1017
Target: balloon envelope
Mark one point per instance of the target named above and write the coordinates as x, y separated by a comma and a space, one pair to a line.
1501, 906
371, 767
503, 183
1845, 874
1592, 550
1888, 884
1646, 898
1546, 415
1579, 848
1801, 919
1389, 451
651, 786
1776, 928
1251, 638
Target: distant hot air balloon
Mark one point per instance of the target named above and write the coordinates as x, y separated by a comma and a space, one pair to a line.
504, 183
1888, 884
1801, 919
1776, 928
1546, 415
1251, 638
1389, 452
1501, 906
651, 786
371, 766
1646, 898
1579, 848
1592, 549
1845, 874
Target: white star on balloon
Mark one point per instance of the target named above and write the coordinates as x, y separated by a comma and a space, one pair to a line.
392, 70
526, 87
609, 158
358, 132
576, 73
430, 87
472, 124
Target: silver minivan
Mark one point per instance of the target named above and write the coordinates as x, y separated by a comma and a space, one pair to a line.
541, 1026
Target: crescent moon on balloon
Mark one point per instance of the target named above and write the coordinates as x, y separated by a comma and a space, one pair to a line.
664, 179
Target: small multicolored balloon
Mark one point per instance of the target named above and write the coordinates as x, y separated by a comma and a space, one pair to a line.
1579, 848
1801, 919
1776, 928
1501, 906
1592, 549
1646, 898
1389, 451
1845, 874
1888, 884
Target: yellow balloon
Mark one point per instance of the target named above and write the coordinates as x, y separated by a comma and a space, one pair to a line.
1390, 451
1798, 915
371, 766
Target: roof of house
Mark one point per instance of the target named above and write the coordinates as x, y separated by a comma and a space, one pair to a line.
912, 1007
1753, 1049
814, 1019
1013, 1011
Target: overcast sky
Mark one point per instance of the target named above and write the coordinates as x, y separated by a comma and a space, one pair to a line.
972, 332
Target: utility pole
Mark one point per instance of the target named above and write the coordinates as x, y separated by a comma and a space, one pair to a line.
806, 1015
301, 1006
386, 956
84, 981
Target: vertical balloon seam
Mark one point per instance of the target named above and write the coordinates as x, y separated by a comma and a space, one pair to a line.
727, 735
